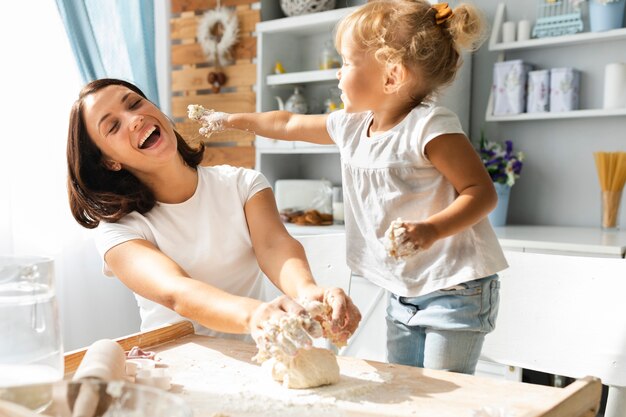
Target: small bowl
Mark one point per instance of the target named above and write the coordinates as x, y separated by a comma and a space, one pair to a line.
113, 399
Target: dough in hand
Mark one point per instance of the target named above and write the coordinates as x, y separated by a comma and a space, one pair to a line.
396, 242
211, 120
309, 368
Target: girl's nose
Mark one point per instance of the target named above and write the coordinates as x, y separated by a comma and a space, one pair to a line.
339, 74
136, 122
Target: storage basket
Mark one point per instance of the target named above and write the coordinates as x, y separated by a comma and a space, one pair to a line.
300, 7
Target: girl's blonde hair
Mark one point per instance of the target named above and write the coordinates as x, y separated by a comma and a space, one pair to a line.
406, 32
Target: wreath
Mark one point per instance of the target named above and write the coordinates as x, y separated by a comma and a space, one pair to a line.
217, 34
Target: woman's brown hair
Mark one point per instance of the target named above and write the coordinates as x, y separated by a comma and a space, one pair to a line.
95, 192
409, 32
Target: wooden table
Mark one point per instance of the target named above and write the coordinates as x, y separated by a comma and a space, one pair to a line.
218, 378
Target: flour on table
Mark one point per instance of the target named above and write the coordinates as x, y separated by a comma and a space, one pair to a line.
396, 242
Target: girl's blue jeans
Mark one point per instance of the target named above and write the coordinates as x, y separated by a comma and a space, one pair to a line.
444, 329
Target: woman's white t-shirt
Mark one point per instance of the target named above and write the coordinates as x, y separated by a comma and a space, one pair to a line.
207, 235
389, 176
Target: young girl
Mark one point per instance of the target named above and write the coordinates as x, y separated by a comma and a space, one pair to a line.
404, 157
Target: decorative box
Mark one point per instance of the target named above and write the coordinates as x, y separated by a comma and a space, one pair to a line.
564, 89
538, 98
509, 87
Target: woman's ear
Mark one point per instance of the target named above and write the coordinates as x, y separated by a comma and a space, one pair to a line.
395, 76
111, 165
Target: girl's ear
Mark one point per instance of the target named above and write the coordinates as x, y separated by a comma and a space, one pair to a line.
111, 165
395, 76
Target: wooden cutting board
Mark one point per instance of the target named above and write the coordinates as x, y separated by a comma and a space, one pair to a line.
218, 379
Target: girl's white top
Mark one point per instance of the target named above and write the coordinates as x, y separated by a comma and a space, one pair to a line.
389, 176
207, 235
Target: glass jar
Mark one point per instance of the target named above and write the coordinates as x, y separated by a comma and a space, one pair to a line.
338, 217
329, 58
333, 102
31, 349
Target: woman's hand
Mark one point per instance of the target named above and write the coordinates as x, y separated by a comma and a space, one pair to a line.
344, 315
273, 310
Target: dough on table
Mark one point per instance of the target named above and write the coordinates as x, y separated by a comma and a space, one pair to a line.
310, 367
286, 351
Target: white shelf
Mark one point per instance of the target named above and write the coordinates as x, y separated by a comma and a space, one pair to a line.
303, 77
305, 24
575, 39
312, 149
575, 114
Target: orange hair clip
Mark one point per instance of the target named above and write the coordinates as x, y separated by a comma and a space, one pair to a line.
444, 12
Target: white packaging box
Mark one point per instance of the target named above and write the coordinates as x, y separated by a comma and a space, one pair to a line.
564, 89
509, 87
538, 98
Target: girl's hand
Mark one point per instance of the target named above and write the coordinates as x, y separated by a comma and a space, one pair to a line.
212, 121
421, 234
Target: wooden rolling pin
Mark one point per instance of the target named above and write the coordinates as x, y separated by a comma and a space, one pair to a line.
104, 361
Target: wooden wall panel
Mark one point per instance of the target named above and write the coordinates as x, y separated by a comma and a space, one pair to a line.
191, 53
185, 27
187, 79
180, 6
190, 84
237, 156
226, 102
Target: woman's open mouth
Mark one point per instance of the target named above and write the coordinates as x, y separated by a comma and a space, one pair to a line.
152, 136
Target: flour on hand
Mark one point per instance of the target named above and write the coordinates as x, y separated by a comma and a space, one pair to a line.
396, 241
211, 120
286, 351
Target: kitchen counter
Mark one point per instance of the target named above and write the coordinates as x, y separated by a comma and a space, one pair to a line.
217, 377
588, 241
574, 240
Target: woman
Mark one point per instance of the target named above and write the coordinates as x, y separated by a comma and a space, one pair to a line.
189, 241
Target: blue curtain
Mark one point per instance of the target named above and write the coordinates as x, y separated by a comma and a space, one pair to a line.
113, 39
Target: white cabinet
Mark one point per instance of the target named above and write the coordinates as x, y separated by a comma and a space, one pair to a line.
555, 42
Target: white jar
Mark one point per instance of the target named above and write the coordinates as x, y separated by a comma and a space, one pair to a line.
338, 205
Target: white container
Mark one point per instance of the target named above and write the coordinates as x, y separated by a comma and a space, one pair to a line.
564, 89
538, 98
523, 30
338, 217
615, 86
509, 87
304, 195
508, 32
31, 347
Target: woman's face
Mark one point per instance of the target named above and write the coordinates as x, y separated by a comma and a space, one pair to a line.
130, 131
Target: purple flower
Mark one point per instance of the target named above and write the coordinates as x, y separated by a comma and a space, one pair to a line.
503, 165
